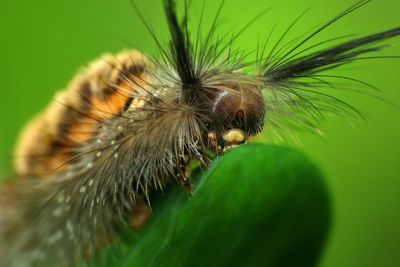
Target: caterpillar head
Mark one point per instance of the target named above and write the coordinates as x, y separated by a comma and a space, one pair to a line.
235, 113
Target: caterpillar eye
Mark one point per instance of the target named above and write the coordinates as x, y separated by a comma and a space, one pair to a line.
242, 109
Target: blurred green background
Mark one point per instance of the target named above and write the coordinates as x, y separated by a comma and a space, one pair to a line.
43, 43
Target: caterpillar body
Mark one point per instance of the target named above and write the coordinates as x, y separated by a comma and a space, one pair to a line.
130, 123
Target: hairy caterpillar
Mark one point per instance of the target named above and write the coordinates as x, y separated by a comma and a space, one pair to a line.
162, 110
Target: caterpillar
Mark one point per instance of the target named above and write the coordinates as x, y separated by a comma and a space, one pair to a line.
130, 124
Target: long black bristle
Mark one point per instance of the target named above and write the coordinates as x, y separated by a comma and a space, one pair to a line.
181, 49
327, 58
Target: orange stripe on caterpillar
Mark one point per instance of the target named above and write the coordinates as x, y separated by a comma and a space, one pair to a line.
96, 94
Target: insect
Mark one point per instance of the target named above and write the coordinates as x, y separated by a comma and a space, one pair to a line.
130, 124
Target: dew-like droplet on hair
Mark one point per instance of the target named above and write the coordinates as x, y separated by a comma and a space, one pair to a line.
82, 189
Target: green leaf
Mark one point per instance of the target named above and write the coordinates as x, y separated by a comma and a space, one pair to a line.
258, 205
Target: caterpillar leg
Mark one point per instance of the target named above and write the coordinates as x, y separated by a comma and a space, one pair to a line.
184, 177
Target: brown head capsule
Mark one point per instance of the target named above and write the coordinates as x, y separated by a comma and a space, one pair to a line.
239, 107
233, 112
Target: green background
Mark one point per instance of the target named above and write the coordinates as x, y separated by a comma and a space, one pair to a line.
43, 43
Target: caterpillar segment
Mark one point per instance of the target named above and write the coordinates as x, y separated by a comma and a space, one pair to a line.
99, 93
